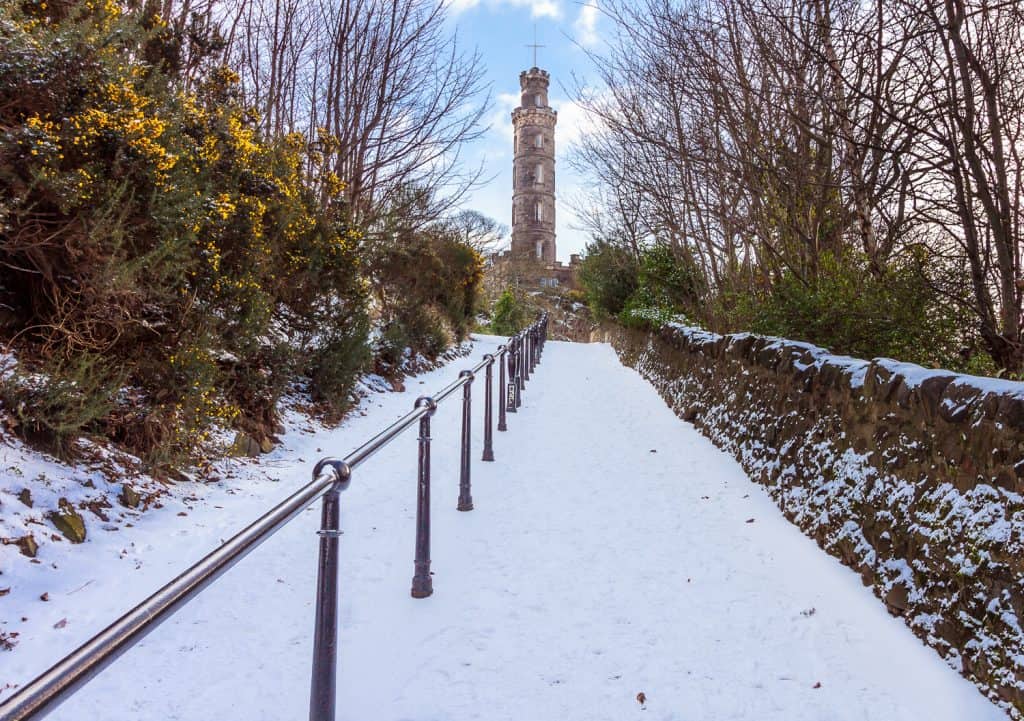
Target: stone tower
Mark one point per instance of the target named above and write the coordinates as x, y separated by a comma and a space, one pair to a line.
533, 170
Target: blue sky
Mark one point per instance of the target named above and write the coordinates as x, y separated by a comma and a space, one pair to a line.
500, 30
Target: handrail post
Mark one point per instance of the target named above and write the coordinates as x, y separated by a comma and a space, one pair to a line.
322, 693
525, 356
527, 345
502, 391
533, 348
422, 585
520, 385
488, 409
512, 379
465, 496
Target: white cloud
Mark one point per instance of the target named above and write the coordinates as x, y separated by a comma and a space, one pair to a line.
543, 8
460, 6
573, 122
586, 24
538, 8
500, 119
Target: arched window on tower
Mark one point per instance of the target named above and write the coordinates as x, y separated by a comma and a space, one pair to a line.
538, 141
538, 100
538, 212
538, 174
540, 249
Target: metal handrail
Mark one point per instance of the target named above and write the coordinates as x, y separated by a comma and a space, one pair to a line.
330, 476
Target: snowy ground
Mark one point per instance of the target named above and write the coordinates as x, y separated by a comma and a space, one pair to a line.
613, 550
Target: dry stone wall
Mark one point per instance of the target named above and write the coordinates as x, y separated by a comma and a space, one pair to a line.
913, 477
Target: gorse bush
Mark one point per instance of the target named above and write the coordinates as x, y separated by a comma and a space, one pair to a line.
662, 285
64, 398
145, 224
848, 309
609, 275
426, 283
644, 309
670, 286
338, 362
844, 305
509, 316
671, 278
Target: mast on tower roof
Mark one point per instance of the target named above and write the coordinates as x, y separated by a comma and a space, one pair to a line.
535, 45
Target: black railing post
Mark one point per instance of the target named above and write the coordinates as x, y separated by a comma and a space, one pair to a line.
322, 692
422, 585
513, 381
488, 409
520, 385
502, 391
526, 354
465, 495
527, 343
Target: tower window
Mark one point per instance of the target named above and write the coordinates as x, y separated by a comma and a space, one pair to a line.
538, 141
538, 100
538, 212
540, 249
539, 174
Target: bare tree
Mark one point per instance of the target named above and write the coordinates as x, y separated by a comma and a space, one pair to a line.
400, 100
380, 88
478, 231
969, 59
767, 135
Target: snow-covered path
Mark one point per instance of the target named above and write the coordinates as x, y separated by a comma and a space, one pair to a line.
612, 550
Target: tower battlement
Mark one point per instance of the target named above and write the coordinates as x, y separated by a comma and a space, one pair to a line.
534, 72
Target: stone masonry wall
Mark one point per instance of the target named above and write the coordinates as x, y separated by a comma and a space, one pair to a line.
911, 476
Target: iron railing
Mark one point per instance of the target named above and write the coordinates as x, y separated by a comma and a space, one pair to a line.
330, 477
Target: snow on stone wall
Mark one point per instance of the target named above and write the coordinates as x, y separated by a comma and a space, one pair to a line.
911, 476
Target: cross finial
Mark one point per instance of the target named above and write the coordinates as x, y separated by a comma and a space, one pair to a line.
535, 45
